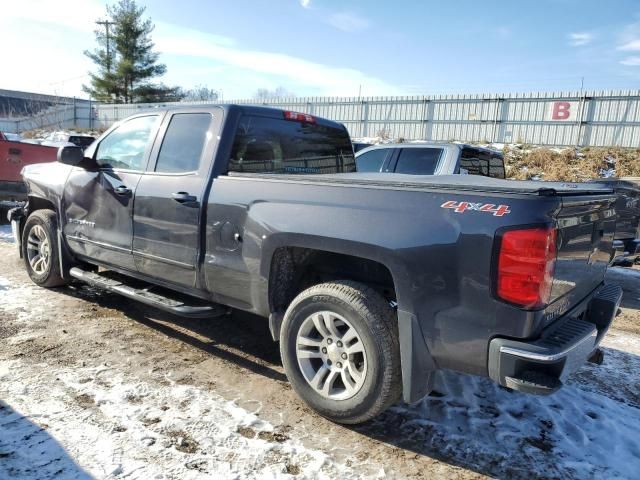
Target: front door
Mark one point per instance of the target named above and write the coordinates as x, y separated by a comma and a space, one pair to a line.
98, 204
166, 217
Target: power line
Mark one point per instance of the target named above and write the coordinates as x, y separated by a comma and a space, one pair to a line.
65, 80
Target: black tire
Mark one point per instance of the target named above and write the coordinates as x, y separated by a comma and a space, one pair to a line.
376, 324
50, 276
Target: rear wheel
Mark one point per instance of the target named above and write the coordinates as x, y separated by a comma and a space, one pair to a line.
339, 348
40, 249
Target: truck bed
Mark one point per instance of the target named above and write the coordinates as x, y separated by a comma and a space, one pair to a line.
471, 183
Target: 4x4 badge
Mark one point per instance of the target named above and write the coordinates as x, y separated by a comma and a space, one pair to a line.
461, 207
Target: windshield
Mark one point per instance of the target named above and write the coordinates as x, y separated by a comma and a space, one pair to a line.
268, 145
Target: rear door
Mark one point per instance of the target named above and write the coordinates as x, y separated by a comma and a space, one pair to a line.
98, 204
169, 196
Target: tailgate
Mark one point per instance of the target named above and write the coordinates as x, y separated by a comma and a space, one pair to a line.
15, 155
586, 227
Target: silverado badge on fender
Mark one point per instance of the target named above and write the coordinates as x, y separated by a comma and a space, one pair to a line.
461, 207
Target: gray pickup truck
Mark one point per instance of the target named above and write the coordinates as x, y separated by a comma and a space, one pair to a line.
371, 282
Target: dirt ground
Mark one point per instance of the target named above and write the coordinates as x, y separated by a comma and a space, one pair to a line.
118, 390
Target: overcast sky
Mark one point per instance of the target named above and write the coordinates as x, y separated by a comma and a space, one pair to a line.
333, 47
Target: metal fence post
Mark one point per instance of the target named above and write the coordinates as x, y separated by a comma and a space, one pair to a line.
423, 117
504, 115
430, 119
365, 118
580, 117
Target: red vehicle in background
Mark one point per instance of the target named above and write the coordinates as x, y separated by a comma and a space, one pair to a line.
13, 156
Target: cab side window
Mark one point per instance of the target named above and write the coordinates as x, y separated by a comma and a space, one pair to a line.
371, 161
125, 147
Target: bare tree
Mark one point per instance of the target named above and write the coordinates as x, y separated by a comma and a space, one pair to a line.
200, 93
279, 92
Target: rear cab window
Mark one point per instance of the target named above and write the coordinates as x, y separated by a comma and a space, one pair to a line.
282, 146
480, 162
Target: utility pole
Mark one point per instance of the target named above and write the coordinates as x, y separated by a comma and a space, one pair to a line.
107, 24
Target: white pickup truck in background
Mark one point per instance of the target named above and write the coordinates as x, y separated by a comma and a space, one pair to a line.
431, 159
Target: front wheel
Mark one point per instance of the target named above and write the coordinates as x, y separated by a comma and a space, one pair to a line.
339, 347
40, 249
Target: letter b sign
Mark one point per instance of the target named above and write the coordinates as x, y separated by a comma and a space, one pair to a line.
562, 111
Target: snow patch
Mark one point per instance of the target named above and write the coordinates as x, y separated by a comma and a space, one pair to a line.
589, 429
100, 423
6, 235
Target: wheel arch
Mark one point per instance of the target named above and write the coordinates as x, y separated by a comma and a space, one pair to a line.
35, 203
281, 253
283, 265
39, 203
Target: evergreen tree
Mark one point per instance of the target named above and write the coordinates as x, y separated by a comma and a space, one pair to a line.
126, 61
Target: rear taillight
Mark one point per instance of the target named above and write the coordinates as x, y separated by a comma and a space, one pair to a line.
525, 266
299, 117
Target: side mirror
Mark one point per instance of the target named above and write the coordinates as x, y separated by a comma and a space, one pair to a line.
73, 156
70, 155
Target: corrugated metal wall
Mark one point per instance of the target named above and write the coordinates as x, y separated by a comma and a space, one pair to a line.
56, 117
599, 118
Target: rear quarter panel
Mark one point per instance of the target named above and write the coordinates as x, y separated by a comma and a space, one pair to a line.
440, 260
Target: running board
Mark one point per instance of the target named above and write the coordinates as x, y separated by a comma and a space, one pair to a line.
143, 295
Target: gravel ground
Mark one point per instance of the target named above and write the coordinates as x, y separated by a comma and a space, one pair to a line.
95, 386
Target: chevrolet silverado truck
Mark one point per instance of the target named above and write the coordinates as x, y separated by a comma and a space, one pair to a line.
370, 282
14, 155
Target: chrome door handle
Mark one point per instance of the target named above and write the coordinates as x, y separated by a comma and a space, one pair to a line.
122, 190
183, 197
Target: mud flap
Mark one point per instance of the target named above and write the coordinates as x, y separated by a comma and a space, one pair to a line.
16, 217
275, 322
418, 367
